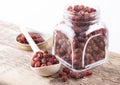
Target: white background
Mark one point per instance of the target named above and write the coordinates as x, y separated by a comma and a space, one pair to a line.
45, 14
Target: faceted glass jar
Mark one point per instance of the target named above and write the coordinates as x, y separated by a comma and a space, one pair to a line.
80, 40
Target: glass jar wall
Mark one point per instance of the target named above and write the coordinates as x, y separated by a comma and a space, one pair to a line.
80, 40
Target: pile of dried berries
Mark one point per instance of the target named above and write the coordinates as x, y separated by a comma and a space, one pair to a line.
95, 49
35, 36
81, 13
41, 59
66, 73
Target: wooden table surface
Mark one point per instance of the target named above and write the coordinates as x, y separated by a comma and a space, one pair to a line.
15, 70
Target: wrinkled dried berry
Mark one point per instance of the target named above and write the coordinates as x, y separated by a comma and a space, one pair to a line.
70, 9
64, 78
32, 63
66, 70
62, 74
37, 64
73, 74
87, 73
77, 8
43, 60
49, 63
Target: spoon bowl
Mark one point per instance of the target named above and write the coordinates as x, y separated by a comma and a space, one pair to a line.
47, 70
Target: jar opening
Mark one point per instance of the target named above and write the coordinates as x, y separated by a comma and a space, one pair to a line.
81, 15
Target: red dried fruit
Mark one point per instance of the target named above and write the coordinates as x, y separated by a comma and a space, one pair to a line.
64, 78
95, 48
49, 63
93, 10
62, 74
70, 9
23, 39
43, 60
32, 63
66, 70
51, 60
89, 10
55, 61
102, 54
37, 59
77, 56
61, 50
86, 15
77, 8
37, 64
81, 13
87, 73
76, 75
87, 55
39, 54
38, 40
73, 74
81, 7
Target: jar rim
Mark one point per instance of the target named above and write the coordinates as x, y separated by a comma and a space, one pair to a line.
67, 14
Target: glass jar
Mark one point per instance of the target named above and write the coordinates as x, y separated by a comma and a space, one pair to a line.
80, 40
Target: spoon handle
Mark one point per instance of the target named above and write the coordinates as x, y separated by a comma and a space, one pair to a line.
30, 40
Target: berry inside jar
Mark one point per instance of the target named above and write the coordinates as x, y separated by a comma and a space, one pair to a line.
88, 46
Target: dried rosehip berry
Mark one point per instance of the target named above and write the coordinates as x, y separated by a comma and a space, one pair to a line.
55, 61
49, 63
70, 8
37, 64
62, 74
93, 10
73, 74
76, 75
23, 39
39, 54
81, 13
86, 15
33, 63
45, 54
43, 60
77, 8
37, 59
87, 73
95, 48
64, 78
81, 7
66, 70
51, 60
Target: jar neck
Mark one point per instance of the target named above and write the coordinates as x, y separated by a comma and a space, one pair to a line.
81, 18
